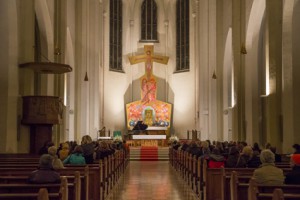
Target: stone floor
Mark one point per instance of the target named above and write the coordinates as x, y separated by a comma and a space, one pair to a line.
151, 180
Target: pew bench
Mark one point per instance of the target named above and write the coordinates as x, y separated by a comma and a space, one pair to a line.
30, 191
262, 192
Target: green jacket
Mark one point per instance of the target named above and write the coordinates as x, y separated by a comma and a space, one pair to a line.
76, 159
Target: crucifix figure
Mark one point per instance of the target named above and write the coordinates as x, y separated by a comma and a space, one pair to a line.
148, 82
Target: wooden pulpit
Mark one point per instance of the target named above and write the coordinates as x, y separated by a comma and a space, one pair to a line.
41, 113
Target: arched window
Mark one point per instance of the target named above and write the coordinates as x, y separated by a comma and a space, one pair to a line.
149, 21
115, 35
182, 35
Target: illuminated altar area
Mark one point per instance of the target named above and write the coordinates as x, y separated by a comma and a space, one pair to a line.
156, 114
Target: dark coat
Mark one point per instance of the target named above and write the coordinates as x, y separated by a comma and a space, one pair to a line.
293, 177
235, 161
44, 175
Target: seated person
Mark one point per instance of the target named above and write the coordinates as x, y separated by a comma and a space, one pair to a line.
234, 159
251, 158
293, 177
65, 151
45, 172
215, 159
277, 156
268, 173
76, 158
56, 163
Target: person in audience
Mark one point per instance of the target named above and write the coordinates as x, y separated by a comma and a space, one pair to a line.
184, 146
88, 149
252, 159
57, 163
103, 150
64, 152
44, 148
194, 149
76, 158
293, 177
268, 173
234, 159
277, 156
296, 148
205, 149
175, 145
268, 145
215, 159
45, 172
256, 148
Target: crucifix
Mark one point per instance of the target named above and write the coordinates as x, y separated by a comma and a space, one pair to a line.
148, 82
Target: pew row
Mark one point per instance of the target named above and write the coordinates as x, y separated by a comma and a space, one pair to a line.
32, 191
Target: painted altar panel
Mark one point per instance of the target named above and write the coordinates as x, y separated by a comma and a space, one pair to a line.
137, 111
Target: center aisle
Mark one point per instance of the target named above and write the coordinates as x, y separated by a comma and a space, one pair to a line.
151, 180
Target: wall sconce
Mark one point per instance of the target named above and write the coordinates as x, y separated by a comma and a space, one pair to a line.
86, 78
214, 76
243, 49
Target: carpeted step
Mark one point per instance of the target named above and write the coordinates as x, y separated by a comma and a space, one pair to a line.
149, 153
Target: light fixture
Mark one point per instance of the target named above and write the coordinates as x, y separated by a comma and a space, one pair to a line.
57, 50
86, 78
214, 76
243, 49
87, 42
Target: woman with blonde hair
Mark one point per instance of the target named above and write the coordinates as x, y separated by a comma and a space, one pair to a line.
88, 149
56, 163
251, 158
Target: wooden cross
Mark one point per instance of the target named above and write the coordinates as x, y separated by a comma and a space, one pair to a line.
148, 58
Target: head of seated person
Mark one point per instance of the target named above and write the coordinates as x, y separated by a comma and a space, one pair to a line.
267, 157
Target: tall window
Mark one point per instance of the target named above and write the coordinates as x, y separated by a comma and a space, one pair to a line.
115, 37
149, 21
182, 35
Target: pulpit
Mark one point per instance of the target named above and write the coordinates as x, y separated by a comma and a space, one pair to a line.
41, 113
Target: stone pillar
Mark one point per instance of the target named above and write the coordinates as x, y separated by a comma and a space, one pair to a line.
274, 63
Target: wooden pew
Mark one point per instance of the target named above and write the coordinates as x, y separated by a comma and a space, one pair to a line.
100, 180
41, 195
279, 195
214, 189
262, 192
78, 181
30, 191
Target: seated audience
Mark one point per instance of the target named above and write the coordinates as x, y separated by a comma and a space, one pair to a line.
103, 150
44, 148
277, 156
293, 177
251, 158
57, 163
45, 172
268, 173
175, 145
76, 158
194, 149
64, 152
216, 160
205, 149
88, 149
296, 148
256, 148
234, 159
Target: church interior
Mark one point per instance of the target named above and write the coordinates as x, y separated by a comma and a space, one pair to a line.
237, 81
189, 70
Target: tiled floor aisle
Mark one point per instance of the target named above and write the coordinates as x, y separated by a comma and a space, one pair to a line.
151, 180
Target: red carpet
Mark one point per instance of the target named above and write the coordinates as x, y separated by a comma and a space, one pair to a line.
149, 153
